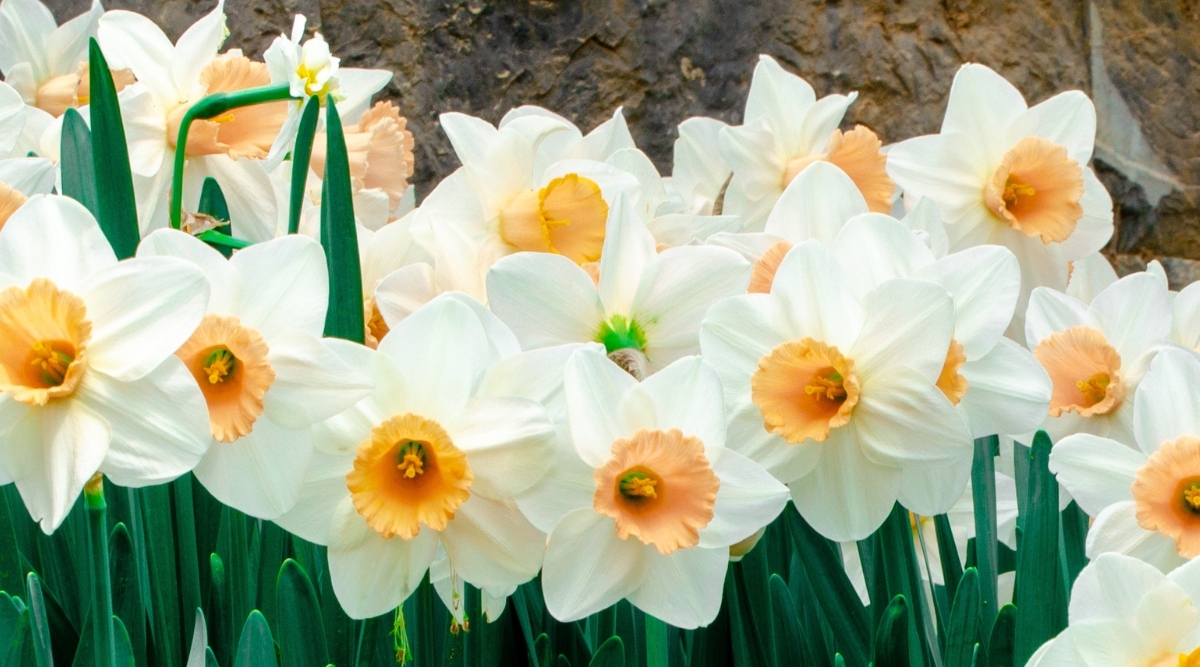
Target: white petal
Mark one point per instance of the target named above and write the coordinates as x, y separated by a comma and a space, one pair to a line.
51, 453
261, 473
937, 167
881, 248
1090, 276
846, 497
815, 205
285, 286
311, 382
748, 499
687, 396
677, 288
748, 437
567, 486
12, 117
341, 434
1058, 652
684, 588
68, 45
372, 575
26, 25
651, 193
1067, 119
28, 175
1111, 588
909, 323
253, 208
405, 290
677, 229
322, 490
1097, 471
820, 305
490, 543
628, 247
196, 47
54, 237
1116, 530
595, 387
819, 123
607, 138
587, 567
509, 444
985, 283
1167, 405
1008, 391
502, 344
1186, 329
545, 299
159, 423
1094, 230
982, 106
221, 276
902, 418
471, 137
1134, 313
736, 333
778, 96
132, 41
1051, 311
929, 490
359, 85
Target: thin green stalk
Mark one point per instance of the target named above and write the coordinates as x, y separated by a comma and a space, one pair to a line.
102, 626
658, 652
212, 106
301, 154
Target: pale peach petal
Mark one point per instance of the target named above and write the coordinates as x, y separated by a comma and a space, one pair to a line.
857, 153
762, 275
1036, 189
1084, 369
803, 389
44, 334
229, 363
10, 201
567, 217
950, 380
1166, 494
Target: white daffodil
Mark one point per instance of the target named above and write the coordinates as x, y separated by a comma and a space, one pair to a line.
1008, 174
45, 62
21, 178
1145, 501
426, 460
1097, 353
170, 79
784, 129
258, 359
666, 498
1124, 613
309, 68
88, 379
645, 307
834, 392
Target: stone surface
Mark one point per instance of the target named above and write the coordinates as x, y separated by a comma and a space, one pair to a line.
664, 61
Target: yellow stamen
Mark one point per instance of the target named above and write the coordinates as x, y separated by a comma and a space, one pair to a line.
223, 118
1095, 387
53, 363
219, 365
638, 485
1014, 189
412, 462
826, 384
1190, 659
1191, 496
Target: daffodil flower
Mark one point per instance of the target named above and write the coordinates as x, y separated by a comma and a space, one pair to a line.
834, 391
258, 359
665, 501
170, 79
1097, 353
1007, 174
1145, 500
426, 460
45, 62
645, 307
88, 376
785, 128
1124, 612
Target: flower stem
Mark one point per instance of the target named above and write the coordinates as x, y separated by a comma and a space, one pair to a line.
102, 626
658, 652
212, 106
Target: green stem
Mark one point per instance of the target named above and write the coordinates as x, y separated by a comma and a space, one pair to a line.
210, 107
102, 614
217, 238
301, 154
658, 652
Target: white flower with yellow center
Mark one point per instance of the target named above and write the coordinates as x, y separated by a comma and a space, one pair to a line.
88, 376
644, 306
1097, 353
1012, 175
665, 501
170, 79
309, 68
257, 357
785, 128
834, 390
1145, 501
427, 459
21, 178
1124, 613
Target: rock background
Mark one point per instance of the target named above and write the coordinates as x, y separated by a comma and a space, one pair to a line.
664, 60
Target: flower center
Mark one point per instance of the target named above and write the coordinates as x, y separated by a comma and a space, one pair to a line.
762, 275
660, 488
1036, 189
857, 153
44, 333
408, 473
229, 363
1084, 369
565, 217
803, 389
1166, 494
950, 380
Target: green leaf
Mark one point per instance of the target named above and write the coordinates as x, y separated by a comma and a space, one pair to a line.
78, 173
963, 629
892, 634
952, 569
220, 637
122, 646
12, 575
1040, 591
344, 318
1075, 527
542, 650
20, 648
213, 204
41, 627
189, 566
255, 648
165, 625
610, 654
839, 601
127, 603
788, 644
301, 632
110, 160
1000, 644
10, 616
889, 554
983, 490
301, 155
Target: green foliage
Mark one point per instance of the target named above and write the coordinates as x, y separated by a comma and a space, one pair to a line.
344, 319
116, 206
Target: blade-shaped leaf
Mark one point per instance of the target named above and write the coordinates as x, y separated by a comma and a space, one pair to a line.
255, 648
892, 635
983, 489
963, 628
110, 160
299, 626
344, 319
1000, 643
610, 654
75, 163
301, 154
1040, 589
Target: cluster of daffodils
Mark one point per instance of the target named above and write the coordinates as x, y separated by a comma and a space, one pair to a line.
573, 365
